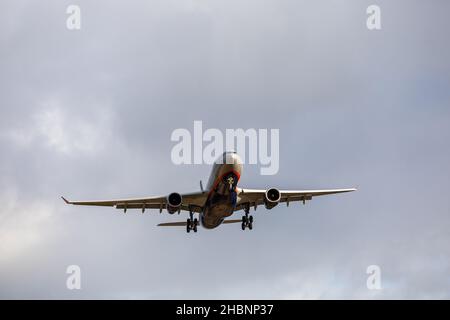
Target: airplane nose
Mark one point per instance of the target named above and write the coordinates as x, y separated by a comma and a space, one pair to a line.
232, 157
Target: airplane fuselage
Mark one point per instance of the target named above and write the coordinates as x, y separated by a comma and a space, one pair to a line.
222, 190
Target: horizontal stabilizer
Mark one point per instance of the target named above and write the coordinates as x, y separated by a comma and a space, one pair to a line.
232, 221
183, 223
173, 224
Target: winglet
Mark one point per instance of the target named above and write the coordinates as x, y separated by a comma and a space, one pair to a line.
65, 200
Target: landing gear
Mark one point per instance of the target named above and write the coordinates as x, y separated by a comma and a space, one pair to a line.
191, 224
230, 181
247, 221
233, 198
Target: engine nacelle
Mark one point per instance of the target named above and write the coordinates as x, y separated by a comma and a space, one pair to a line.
174, 201
272, 198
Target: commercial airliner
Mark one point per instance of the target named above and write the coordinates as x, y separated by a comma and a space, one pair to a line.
218, 201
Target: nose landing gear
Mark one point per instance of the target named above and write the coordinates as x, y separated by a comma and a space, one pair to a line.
233, 198
230, 181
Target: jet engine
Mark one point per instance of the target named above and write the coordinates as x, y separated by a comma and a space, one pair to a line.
174, 201
272, 198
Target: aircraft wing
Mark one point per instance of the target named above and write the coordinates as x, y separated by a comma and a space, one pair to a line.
255, 197
195, 201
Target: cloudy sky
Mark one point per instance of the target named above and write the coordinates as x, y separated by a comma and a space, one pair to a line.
89, 114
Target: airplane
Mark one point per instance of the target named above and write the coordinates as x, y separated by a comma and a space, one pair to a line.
221, 198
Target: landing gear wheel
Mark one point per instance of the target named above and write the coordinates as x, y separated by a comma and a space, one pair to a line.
247, 222
191, 223
195, 225
188, 225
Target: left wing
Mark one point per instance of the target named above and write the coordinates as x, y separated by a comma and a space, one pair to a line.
255, 197
195, 201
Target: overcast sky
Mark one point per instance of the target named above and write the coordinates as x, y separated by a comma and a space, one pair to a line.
89, 113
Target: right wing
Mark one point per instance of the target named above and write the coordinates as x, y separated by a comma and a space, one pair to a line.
190, 201
255, 197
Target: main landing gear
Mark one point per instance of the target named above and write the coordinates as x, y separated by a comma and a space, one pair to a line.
191, 223
247, 221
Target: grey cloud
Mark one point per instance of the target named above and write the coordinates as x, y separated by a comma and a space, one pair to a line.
90, 113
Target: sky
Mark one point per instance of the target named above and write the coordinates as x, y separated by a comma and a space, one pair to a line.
89, 114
